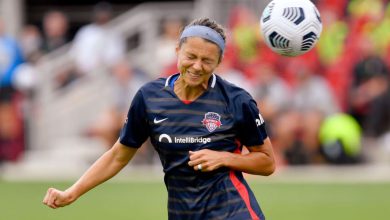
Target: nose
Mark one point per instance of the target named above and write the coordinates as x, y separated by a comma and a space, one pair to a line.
197, 65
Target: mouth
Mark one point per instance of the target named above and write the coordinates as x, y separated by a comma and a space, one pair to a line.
193, 75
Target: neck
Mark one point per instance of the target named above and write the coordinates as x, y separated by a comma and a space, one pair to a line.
187, 92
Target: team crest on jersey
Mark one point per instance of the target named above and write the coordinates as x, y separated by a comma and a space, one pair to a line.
211, 121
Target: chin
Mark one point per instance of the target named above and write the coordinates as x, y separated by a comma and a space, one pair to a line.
194, 82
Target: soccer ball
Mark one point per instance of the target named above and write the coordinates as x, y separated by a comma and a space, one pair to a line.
291, 27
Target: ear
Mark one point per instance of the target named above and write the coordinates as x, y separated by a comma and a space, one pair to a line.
220, 59
177, 49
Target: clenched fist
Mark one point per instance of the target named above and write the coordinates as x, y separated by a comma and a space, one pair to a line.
55, 198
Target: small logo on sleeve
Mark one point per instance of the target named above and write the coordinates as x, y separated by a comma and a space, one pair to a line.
212, 121
260, 120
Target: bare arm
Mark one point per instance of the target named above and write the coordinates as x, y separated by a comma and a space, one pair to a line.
107, 166
260, 160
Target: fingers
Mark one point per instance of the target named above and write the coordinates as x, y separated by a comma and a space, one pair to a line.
50, 198
55, 198
208, 160
201, 167
197, 161
194, 155
198, 165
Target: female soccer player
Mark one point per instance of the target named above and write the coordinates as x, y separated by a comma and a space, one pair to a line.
198, 124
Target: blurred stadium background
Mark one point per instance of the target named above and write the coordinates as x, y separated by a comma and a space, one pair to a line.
68, 70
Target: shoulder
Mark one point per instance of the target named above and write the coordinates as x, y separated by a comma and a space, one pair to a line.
147, 91
153, 86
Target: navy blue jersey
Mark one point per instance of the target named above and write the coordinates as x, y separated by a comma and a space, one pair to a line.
223, 118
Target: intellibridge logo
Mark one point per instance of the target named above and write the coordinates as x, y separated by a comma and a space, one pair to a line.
192, 140
183, 140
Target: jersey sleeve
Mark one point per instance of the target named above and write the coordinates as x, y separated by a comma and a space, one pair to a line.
251, 125
135, 130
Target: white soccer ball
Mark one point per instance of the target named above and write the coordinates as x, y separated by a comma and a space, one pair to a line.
291, 27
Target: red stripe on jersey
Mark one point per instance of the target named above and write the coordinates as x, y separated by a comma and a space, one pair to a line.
238, 149
241, 187
243, 193
186, 101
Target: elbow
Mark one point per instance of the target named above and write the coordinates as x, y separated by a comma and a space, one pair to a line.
269, 170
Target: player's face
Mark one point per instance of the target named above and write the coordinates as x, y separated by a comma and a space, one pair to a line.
197, 59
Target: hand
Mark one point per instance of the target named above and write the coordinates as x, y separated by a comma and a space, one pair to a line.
208, 159
55, 198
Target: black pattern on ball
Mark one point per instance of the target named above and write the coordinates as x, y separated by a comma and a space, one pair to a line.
278, 41
308, 41
294, 14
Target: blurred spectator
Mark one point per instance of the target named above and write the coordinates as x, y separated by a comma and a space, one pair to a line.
369, 74
273, 96
377, 125
11, 128
362, 8
338, 7
310, 90
25, 74
127, 80
271, 90
335, 29
55, 30
311, 101
10, 57
31, 42
94, 45
11, 124
369, 90
166, 44
244, 27
228, 72
378, 117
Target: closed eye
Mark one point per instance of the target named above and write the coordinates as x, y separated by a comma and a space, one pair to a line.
208, 61
191, 57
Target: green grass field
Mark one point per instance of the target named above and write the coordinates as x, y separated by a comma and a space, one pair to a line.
147, 200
